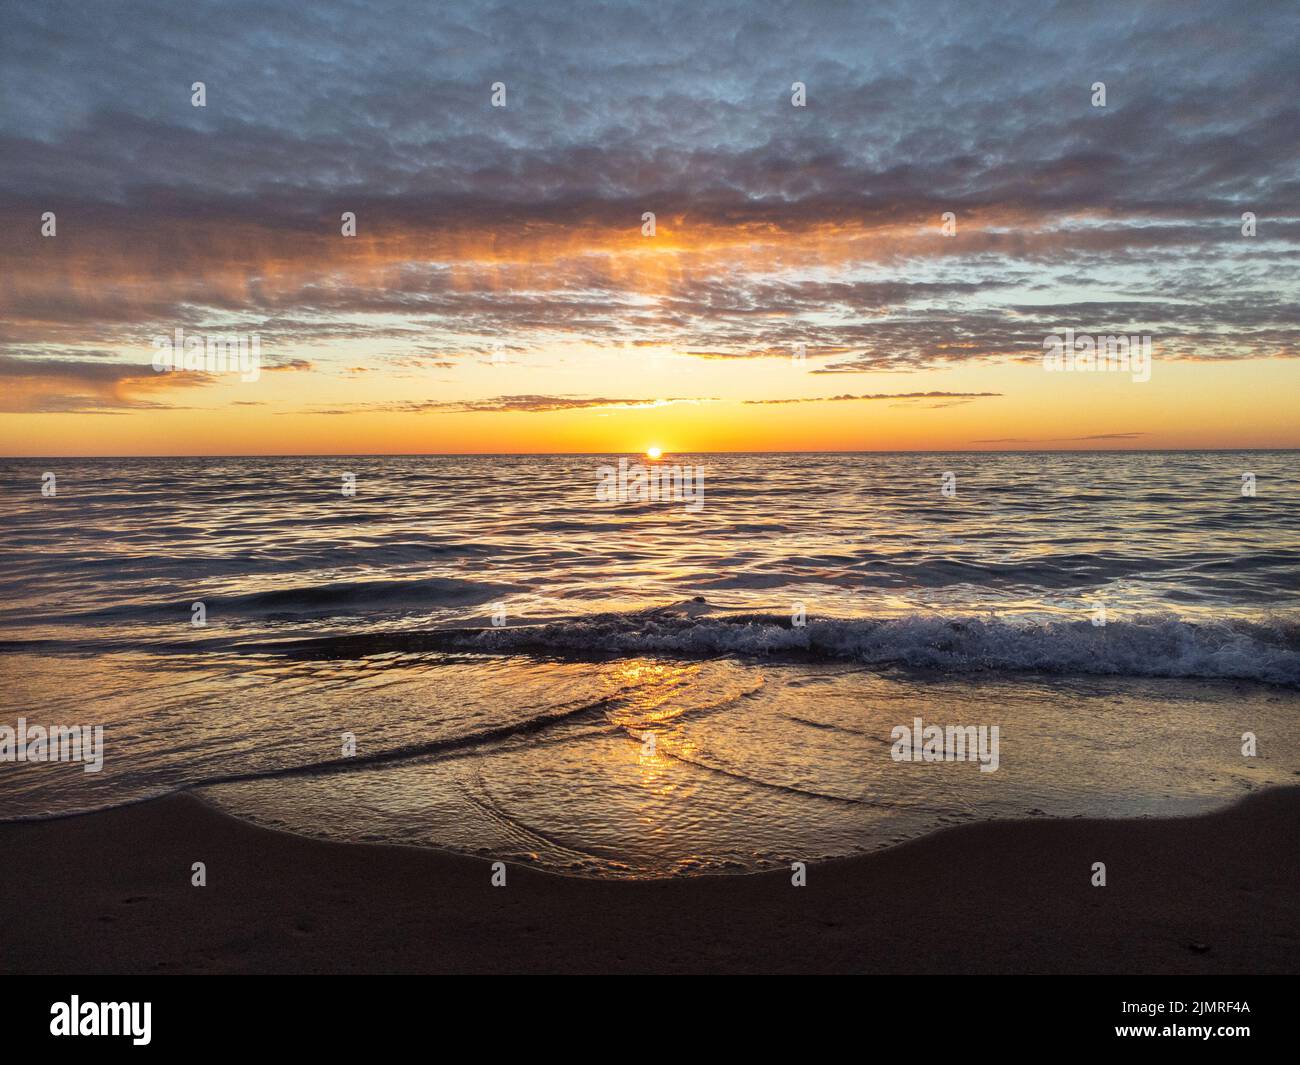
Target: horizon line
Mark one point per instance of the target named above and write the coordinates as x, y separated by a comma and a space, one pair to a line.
666, 454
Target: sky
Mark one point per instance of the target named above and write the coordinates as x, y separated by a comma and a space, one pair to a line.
877, 269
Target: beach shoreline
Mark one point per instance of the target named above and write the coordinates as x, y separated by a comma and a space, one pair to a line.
111, 892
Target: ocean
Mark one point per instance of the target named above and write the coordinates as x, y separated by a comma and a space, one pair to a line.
522, 658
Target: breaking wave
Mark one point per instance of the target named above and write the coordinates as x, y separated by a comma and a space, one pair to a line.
1156, 646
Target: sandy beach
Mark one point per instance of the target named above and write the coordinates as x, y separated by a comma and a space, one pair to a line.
110, 892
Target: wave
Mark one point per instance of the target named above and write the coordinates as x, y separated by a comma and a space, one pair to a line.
1155, 646
351, 595
336, 598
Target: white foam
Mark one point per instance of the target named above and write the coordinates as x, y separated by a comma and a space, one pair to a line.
1143, 647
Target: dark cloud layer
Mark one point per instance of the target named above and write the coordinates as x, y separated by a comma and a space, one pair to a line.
778, 226
881, 395
514, 405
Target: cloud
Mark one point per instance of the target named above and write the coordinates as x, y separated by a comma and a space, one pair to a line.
1060, 439
64, 386
880, 395
776, 225
511, 405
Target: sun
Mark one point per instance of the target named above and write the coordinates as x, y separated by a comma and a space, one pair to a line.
654, 452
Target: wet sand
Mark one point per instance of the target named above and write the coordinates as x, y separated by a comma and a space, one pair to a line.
110, 892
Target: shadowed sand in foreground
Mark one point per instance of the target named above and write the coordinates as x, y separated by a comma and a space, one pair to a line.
111, 892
